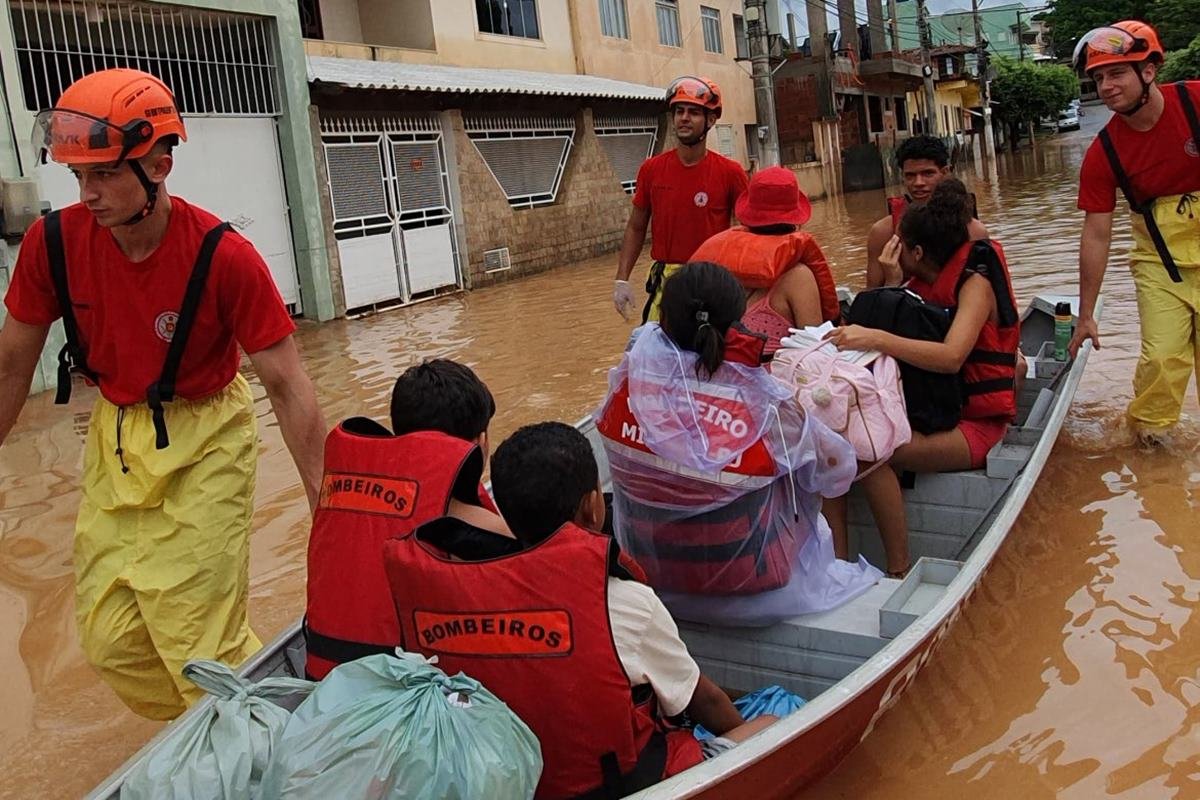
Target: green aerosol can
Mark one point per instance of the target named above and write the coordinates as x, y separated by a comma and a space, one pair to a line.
1062, 330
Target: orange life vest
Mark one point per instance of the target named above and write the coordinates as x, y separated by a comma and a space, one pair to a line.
758, 260
534, 628
990, 370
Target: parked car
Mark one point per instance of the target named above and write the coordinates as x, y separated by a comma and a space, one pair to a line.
1068, 120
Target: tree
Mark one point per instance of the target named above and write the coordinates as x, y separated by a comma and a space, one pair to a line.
1182, 65
1071, 19
1024, 92
1176, 21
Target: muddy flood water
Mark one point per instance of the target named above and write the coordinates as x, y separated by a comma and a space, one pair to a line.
1075, 671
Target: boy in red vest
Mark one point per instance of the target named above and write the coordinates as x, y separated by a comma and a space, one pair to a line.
378, 484
560, 631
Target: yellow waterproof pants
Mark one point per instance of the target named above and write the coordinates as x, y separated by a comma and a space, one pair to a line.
162, 545
659, 273
1169, 312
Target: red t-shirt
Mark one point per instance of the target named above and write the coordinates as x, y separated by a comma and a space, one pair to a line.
687, 204
1161, 161
126, 311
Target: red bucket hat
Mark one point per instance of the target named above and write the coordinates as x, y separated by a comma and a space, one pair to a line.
774, 198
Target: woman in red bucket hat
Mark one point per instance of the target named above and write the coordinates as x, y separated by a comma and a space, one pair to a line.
763, 252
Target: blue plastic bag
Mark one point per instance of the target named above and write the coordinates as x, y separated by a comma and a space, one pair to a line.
221, 752
768, 700
398, 727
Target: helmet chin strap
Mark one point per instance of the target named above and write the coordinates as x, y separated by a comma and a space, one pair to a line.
151, 189
1145, 98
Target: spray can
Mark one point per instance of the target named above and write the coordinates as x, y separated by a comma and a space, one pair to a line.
1062, 330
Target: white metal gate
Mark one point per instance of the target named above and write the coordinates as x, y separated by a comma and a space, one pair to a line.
222, 68
392, 217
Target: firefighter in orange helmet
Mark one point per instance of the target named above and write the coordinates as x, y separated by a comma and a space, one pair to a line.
154, 292
1150, 152
687, 194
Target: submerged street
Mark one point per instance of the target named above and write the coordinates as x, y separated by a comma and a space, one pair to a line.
1073, 672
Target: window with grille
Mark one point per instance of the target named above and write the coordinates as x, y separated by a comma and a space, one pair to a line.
216, 63
667, 13
627, 141
710, 19
508, 17
526, 155
739, 37
613, 19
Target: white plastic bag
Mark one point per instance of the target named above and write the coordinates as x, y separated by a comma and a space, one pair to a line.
398, 727
222, 753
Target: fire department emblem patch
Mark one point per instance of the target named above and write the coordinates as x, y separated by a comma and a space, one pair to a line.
701, 199
165, 324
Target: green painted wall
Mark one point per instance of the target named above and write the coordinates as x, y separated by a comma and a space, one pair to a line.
296, 147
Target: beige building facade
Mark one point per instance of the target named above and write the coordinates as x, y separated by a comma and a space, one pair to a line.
463, 142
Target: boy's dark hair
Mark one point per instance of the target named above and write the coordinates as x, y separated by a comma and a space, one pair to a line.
940, 224
540, 475
699, 303
922, 147
441, 395
773, 230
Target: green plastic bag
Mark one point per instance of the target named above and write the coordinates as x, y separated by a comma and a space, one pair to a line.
398, 727
220, 753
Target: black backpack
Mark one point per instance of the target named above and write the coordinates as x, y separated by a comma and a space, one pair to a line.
934, 399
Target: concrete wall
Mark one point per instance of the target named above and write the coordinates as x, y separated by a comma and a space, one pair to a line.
452, 28
641, 59
340, 21
587, 219
295, 141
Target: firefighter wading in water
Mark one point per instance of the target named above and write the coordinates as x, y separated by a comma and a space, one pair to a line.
154, 292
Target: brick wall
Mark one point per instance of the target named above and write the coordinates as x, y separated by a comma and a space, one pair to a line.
587, 219
795, 111
851, 120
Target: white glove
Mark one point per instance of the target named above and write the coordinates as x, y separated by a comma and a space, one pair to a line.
623, 299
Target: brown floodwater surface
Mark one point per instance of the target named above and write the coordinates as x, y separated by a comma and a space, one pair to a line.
1075, 671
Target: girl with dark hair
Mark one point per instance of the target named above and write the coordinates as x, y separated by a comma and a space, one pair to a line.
971, 279
718, 476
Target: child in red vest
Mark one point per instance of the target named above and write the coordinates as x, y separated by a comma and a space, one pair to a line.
560, 630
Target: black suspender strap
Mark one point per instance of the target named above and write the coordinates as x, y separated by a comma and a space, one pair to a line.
1147, 211
1189, 110
71, 356
163, 390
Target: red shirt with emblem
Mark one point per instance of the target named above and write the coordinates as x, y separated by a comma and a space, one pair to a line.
687, 204
1160, 162
127, 310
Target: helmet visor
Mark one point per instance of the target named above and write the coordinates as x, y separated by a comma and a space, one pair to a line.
1109, 41
689, 90
71, 137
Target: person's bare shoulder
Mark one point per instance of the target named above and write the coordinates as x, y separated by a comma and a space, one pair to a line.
880, 232
977, 230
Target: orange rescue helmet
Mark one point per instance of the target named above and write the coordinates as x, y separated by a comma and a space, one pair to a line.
108, 116
1130, 41
702, 92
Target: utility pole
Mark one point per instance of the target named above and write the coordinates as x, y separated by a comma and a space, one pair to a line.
894, 25
1020, 36
985, 85
755, 16
927, 70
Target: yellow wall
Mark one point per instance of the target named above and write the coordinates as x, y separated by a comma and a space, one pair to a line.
641, 59
455, 32
949, 102
362, 29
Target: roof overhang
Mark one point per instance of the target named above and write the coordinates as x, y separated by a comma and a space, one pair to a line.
364, 74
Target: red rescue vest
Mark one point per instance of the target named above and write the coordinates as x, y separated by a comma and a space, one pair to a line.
990, 370
375, 486
758, 260
533, 628
713, 553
